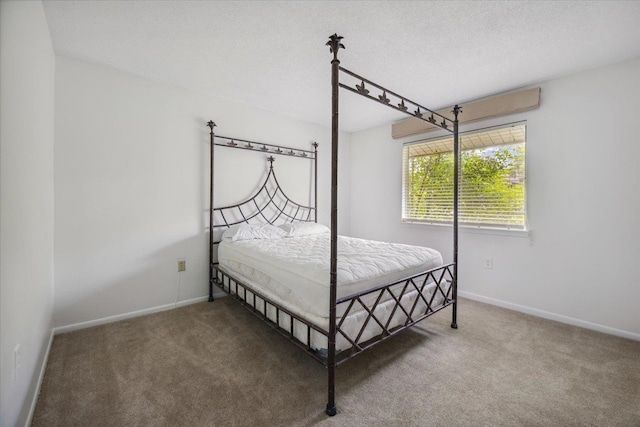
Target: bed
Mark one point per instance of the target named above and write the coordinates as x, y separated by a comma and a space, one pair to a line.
333, 296
293, 271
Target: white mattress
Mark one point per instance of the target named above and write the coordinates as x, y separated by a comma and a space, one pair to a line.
294, 273
296, 269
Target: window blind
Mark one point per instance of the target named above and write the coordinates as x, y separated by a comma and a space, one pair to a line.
492, 179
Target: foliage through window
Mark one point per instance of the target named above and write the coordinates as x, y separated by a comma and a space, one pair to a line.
492, 179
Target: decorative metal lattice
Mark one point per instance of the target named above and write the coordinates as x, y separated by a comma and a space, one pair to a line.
269, 205
267, 148
276, 316
414, 298
397, 102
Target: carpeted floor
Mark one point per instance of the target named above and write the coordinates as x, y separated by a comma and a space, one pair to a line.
214, 364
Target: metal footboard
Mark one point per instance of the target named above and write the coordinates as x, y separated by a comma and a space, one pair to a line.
415, 298
427, 286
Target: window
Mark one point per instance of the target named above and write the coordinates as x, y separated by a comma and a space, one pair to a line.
492, 179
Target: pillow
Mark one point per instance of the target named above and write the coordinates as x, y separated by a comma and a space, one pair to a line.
295, 229
252, 231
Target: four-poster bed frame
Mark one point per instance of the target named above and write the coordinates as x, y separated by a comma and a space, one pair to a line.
254, 209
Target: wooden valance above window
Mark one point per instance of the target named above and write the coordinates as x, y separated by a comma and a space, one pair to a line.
501, 105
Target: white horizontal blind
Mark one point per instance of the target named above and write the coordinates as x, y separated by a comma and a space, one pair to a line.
492, 179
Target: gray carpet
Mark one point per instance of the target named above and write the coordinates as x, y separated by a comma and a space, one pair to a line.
214, 364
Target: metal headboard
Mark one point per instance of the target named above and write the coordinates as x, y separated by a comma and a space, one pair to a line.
270, 204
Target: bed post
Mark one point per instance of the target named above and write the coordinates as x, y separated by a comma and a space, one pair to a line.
315, 180
211, 125
456, 189
334, 44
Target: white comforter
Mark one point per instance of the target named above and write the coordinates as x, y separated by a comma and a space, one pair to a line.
296, 269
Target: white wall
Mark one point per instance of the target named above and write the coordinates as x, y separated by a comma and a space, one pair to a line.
26, 202
580, 264
131, 187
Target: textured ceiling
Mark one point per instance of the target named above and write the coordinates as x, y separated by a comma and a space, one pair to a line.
272, 54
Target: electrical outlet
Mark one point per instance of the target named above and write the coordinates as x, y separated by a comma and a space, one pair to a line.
182, 265
17, 361
488, 263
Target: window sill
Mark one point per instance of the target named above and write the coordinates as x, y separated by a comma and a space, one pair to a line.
469, 229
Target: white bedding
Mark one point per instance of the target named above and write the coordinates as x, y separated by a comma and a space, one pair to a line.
296, 269
294, 273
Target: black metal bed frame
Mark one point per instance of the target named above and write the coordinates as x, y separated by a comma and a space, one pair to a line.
414, 296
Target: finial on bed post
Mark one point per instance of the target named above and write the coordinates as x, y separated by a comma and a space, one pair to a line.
334, 45
456, 110
211, 125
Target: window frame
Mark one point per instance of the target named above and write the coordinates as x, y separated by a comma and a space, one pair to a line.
506, 229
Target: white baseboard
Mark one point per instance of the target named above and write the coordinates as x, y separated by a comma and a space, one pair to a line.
36, 393
137, 313
191, 301
551, 316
